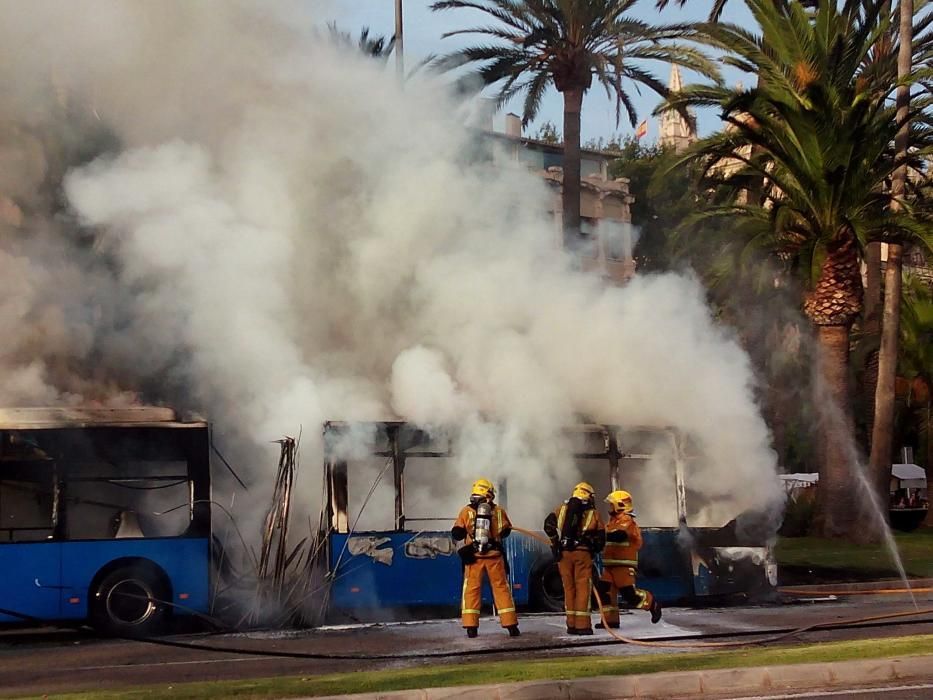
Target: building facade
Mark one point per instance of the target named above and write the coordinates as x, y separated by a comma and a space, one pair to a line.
605, 244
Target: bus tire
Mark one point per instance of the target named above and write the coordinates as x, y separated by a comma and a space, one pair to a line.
547, 591
122, 603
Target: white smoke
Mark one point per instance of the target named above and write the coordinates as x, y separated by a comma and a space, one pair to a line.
280, 235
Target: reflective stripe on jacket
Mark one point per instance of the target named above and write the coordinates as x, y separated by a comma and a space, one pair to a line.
622, 553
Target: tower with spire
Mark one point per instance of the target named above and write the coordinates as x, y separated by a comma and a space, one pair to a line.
676, 131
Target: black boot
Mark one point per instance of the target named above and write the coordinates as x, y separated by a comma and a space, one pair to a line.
585, 631
612, 626
472, 632
571, 630
655, 611
513, 631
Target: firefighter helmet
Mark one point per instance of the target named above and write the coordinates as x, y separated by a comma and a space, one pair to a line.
483, 488
583, 491
620, 500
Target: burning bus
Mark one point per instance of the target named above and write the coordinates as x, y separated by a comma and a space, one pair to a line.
401, 559
104, 516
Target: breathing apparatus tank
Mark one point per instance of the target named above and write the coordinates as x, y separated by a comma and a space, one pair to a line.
481, 534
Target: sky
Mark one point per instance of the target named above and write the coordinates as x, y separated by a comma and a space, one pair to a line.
423, 29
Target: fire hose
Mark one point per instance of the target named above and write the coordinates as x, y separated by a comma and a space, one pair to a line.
481, 651
485, 651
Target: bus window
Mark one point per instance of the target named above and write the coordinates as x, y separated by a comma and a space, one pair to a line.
370, 494
26, 502
647, 472
133, 499
434, 492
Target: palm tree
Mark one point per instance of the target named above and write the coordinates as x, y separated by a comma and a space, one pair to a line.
568, 44
378, 47
818, 132
882, 431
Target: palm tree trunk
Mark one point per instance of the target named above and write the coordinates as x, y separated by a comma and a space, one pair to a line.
832, 306
835, 507
928, 458
883, 429
570, 202
871, 329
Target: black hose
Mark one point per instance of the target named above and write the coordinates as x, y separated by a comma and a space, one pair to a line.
483, 651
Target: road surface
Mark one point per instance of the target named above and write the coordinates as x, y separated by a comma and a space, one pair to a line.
69, 661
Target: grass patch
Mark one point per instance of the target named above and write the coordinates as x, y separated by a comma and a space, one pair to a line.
509, 671
916, 550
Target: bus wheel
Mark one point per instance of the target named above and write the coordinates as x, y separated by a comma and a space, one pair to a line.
124, 603
547, 591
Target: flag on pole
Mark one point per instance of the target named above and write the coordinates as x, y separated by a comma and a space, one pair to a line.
641, 130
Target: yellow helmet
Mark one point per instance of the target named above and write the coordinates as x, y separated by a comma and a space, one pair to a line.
620, 500
483, 488
583, 491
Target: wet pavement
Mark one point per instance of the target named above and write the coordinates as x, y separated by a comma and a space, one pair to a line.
41, 663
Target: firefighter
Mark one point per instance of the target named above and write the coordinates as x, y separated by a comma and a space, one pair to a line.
481, 528
576, 533
620, 562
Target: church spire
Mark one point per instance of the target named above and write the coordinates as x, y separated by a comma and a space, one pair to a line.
676, 131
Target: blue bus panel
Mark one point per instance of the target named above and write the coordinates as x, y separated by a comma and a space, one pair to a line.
51, 580
397, 569
30, 582
372, 570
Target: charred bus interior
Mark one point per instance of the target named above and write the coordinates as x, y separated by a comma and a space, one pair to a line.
392, 491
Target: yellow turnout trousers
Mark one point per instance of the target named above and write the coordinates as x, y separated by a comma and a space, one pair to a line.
494, 566
576, 573
622, 579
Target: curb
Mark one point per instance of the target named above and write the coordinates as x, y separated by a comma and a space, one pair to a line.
860, 587
682, 684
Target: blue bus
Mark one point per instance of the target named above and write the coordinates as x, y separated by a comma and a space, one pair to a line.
409, 562
104, 517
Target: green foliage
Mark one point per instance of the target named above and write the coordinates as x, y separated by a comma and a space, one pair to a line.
568, 44
662, 203
798, 513
817, 131
548, 133
914, 418
373, 46
916, 549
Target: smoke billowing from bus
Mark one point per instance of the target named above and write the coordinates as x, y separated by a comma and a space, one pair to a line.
209, 205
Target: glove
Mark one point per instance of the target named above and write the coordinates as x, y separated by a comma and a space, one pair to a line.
467, 555
555, 550
596, 543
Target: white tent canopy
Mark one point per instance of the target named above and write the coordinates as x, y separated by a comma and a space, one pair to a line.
909, 476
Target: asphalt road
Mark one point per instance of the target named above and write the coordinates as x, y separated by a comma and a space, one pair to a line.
33, 663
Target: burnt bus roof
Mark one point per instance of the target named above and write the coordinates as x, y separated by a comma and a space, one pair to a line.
606, 431
576, 427
80, 417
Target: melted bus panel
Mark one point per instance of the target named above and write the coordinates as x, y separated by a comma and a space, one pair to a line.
401, 556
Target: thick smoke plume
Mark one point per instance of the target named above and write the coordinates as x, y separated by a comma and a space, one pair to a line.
207, 204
